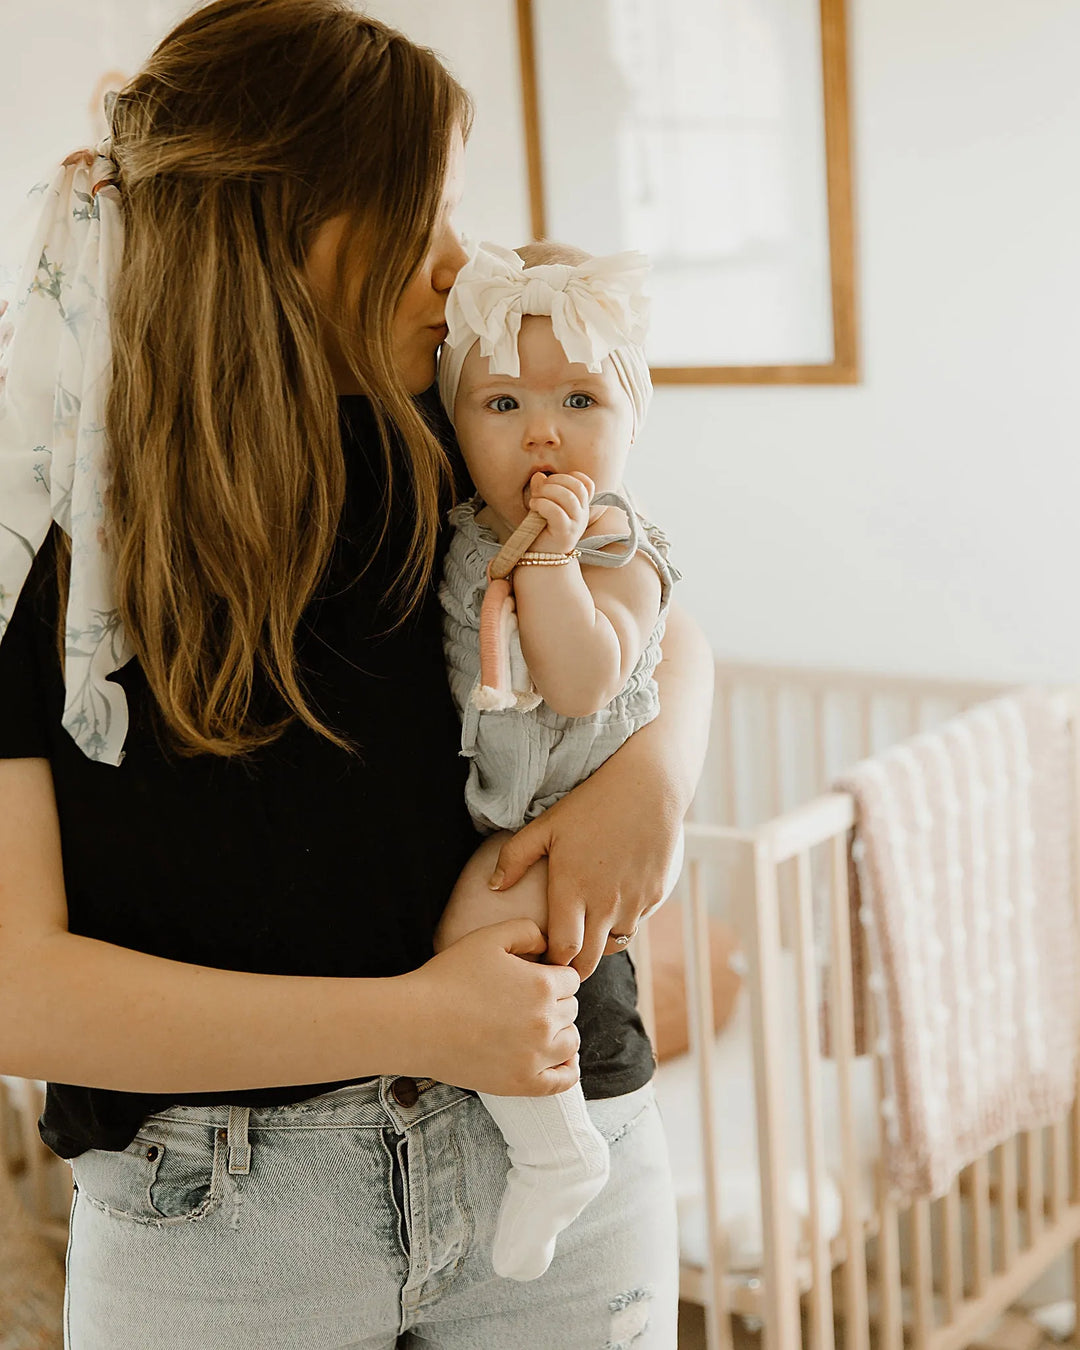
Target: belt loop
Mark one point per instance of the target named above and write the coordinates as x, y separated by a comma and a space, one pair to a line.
239, 1148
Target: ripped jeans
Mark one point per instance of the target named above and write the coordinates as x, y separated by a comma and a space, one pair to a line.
363, 1218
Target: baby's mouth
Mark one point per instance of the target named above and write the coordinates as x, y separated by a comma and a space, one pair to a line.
527, 491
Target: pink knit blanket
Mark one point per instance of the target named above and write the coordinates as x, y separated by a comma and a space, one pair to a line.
964, 892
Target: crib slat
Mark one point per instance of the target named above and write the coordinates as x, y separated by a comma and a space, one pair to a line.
761, 924
729, 802
890, 1328
699, 1010
1073, 706
1007, 1206
866, 725
1059, 1168
979, 1173
856, 1323
821, 749
922, 1274
953, 1273
821, 1309
1075, 1192
774, 757
1033, 1184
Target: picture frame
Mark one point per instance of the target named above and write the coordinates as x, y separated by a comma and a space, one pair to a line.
836, 358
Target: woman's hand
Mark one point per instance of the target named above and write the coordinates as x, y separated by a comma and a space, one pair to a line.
489, 1017
608, 852
610, 841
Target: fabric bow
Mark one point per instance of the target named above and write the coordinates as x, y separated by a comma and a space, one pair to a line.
594, 307
597, 310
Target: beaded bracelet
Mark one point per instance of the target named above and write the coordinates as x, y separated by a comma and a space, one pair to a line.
539, 559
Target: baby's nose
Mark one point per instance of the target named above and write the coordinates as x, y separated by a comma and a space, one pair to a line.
541, 432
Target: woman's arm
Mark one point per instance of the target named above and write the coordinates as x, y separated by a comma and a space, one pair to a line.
610, 840
78, 1010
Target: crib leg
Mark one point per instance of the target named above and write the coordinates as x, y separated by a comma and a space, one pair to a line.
1074, 1339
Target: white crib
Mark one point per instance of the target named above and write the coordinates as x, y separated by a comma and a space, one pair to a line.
783, 1215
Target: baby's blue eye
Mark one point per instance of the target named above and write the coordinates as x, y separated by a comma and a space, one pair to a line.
503, 403
580, 401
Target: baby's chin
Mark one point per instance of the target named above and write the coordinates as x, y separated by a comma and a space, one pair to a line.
503, 522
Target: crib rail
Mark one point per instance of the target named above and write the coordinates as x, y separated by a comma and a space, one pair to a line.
929, 1275
780, 733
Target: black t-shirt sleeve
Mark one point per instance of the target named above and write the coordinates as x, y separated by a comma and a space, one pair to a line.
26, 644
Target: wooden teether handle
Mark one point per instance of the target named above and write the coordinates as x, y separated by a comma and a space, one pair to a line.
509, 555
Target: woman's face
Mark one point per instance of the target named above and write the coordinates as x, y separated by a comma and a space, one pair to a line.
419, 321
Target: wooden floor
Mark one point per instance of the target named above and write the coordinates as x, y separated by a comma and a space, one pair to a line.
692, 1330
1011, 1333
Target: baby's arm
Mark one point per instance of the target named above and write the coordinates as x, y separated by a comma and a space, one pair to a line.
473, 904
582, 629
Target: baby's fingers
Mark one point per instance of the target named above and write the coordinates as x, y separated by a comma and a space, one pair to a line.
587, 483
563, 497
552, 513
580, 484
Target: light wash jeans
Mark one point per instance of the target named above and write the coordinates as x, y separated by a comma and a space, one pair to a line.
363, 1218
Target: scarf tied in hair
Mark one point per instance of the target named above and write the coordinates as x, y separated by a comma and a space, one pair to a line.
55, 368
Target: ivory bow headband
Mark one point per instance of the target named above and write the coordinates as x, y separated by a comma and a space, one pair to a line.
597, 310
55, 365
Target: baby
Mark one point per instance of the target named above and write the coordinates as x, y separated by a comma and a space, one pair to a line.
545, 381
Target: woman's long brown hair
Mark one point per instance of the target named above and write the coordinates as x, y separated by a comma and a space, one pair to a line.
252, 123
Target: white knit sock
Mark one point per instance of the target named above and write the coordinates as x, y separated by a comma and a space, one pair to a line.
559, 1161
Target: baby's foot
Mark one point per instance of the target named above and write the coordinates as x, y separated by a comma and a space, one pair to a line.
537, 1206
555, 1172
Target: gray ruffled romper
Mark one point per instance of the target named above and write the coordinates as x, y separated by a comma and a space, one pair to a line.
521, 762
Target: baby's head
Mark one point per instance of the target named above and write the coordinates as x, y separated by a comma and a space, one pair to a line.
543, 368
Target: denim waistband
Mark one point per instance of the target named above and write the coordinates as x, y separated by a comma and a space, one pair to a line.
393, 1100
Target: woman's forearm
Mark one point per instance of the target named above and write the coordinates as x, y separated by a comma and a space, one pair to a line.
77, 1010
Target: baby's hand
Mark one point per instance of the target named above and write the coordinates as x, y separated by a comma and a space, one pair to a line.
563, 500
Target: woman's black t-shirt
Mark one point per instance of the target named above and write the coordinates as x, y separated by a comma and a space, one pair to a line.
298, 859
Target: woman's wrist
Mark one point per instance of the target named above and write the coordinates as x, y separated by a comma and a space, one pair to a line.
409, 1004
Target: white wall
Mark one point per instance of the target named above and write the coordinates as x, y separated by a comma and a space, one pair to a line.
923, 521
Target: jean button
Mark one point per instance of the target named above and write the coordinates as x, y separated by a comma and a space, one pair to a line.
405, 1092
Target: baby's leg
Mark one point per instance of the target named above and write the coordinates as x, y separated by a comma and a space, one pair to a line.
473, 905
558, 1158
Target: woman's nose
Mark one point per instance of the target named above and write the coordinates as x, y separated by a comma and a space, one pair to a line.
452, 258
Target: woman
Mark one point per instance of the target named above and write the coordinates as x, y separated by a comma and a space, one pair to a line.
218, 897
